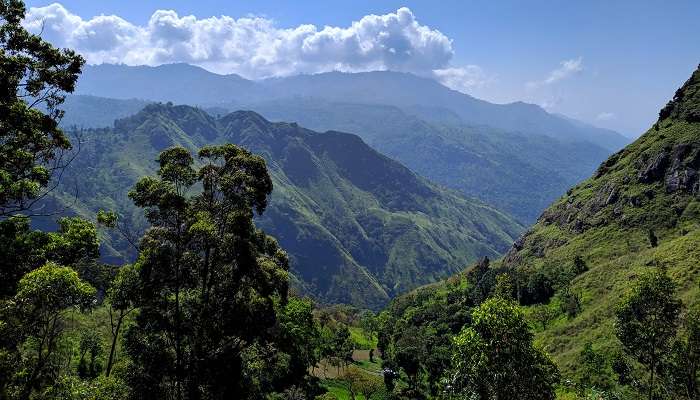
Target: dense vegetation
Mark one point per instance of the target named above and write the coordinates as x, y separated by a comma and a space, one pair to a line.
359, 228
204, 313
609, 275
519, 174
606, 281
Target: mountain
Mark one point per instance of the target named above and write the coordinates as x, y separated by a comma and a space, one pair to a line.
359, 227
639, 210
519, 174
651, 185
186, 84
179, 83
97, 112
406, 90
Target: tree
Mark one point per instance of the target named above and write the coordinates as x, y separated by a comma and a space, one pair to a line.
494, 358
593, 370
90, 347
536, 288
368, 322
653, 240
122, 298
43, 297
300, 337
505, 287
684, 371
570, 302
580, 265
210, 281
647, 320
341, 346
361, 383
24, 249
34, 76
543, 314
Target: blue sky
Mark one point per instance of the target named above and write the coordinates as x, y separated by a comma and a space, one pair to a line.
613, 64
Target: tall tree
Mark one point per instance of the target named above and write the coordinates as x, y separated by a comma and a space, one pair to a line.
43, 297
122, 298
34, 78
210, 281
494, 358
647, 321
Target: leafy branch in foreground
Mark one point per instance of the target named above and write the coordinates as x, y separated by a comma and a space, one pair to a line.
34, 78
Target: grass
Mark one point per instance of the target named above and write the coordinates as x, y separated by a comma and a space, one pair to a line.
361, 339
337, 388
615, 243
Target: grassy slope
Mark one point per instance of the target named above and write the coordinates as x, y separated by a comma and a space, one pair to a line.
611, 231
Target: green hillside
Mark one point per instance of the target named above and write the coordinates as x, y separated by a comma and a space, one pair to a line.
517, 173
651, 185
520, 174
639, 213
359, 227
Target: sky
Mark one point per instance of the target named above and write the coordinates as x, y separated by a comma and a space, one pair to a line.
613, 64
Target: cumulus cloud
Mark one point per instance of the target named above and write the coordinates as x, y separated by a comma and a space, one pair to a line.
605, 116
463, 79
254, 46
567, 68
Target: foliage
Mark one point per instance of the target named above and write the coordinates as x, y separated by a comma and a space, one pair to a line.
36, 319
210, 282
416, 331
355, 233
72, 388
543, 314
684, 371
494, 358
647, 320
595, 370
361, 383
122, 297
605, 221
33, 74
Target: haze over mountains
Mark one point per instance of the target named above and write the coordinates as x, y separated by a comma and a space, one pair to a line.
516, 157
187, 84
359, 227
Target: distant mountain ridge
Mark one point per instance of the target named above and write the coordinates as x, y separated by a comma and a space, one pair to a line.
517, 173
359, 227
186, 84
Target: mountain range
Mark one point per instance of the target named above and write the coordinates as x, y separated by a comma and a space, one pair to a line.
187, 84
504, 155
359, 227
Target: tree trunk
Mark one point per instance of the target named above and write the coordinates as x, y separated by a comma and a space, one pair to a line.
651, 380
115, 337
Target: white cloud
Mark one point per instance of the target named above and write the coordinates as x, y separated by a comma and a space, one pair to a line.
551, 103
566, 69
605, 116
463, 79
254, 46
